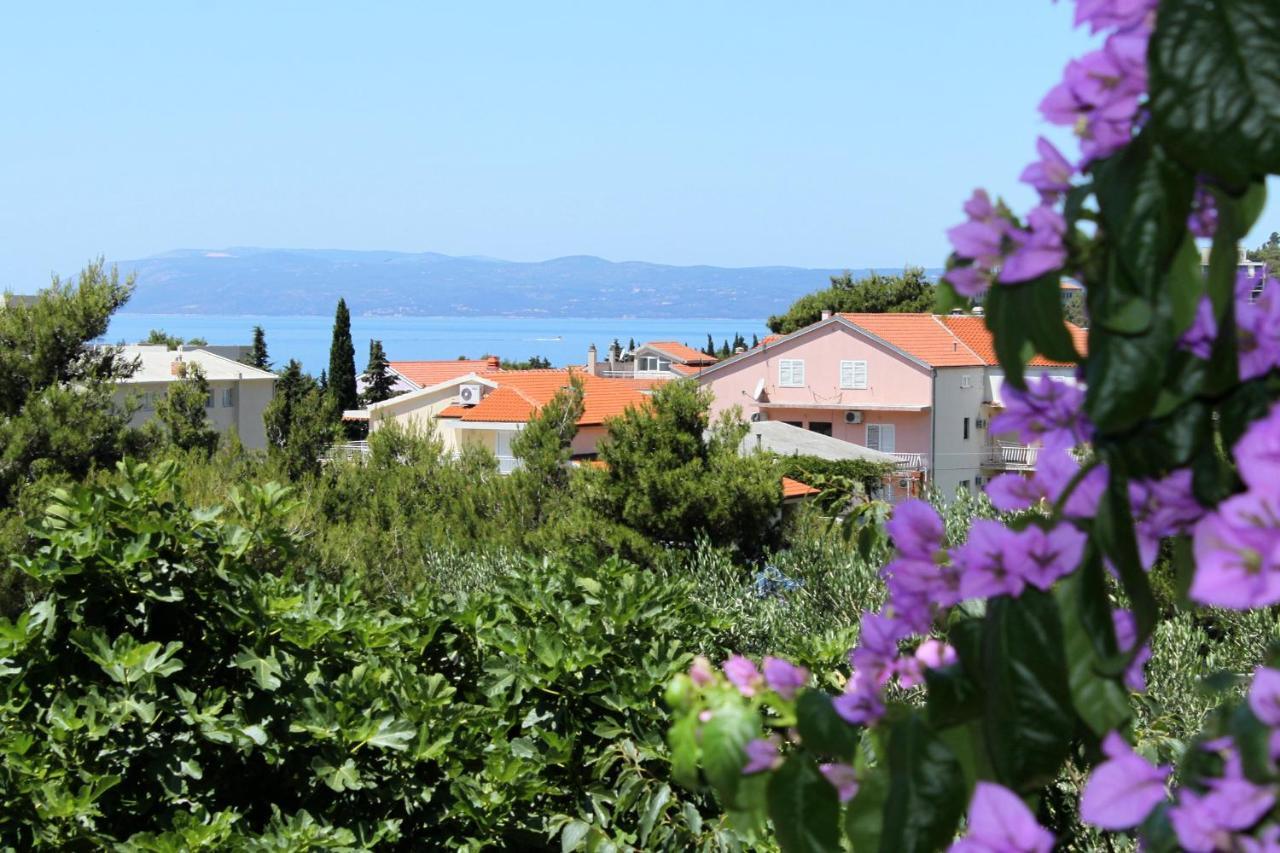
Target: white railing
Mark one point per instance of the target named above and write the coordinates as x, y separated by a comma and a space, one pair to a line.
350, 450
507, 464
914, 461
1003, 455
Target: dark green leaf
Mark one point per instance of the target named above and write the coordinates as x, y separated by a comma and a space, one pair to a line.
864, 816
1029, 719
724, 737
926, 791
1215, 85
804, 807
822, 730
1089, 639
1113, 531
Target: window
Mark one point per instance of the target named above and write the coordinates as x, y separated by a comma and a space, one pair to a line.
853, 374
652, 363
799, 424
228, 397
820, 427
966, 429
208, 401
791, 373
966, 381
881, 437
964, 485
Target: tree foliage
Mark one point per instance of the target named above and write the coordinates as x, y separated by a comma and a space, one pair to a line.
875, 294
183, 412
341, 378
378, 381
1269, 253
300, 422
257, 355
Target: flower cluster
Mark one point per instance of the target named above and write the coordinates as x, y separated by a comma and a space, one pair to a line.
1257, 314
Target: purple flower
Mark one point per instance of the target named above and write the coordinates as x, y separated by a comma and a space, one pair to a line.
1122, 790
1113, 14
1037, 250
1047, 555
1203, 220
762, 755
1209, 821
1056, 467
1000, 822
1126, 627
1013, 492
842, 778
1161, 508
743, 674
916, 529
1237, 551
1264, 695
1257, 453
935, 653
1049, 411
1268, 841
1198, 339
700, 671
1257, 326
784, 678
984, 561
1099, 93
860, 704
1051, 174
970, 280
876, 654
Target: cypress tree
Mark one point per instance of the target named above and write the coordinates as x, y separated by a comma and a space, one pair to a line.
755, 341
724, 349
342, 360
710, 348
378, 381
631, 346
257, 356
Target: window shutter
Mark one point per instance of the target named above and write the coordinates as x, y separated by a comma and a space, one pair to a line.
873, 436
846, 374
797, 372
887, 438
784, 372
860, 374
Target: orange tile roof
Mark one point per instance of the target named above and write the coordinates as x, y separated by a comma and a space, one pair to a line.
920, 335
946, 341
686, 369
520, 393
975, 334
424, 374
683, 353
796, 489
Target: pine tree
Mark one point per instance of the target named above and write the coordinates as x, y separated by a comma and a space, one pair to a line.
183, 411
342, 360
710, 348
615, 350
257, 355
378, 381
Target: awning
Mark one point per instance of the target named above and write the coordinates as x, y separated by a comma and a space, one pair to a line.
848, 407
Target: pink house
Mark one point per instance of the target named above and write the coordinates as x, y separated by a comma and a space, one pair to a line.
920, 386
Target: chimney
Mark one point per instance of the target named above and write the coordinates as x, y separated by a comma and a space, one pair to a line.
591, 360
977, 311
177, 367
826, 314
739, 350
491, 362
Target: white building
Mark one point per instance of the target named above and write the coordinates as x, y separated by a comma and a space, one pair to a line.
238, 393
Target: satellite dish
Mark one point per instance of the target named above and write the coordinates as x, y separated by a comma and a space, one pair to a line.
755, 395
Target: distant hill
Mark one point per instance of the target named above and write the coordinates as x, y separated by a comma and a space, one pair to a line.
301, 281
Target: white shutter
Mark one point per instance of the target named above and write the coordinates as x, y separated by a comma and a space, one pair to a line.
859, 375
881, 437
784, 372
797, 371
873, 436
846, 374
791, 373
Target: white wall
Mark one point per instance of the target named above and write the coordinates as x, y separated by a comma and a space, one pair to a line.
956, 459
249, 399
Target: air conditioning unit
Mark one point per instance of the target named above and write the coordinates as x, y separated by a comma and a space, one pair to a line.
469, 394
982, 423
853, 417
756, 417
904, 483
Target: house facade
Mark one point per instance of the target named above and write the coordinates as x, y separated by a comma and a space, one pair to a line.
238, 393
920, 387
489, 409
655, 360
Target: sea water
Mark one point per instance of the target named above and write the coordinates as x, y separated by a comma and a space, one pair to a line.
306, 338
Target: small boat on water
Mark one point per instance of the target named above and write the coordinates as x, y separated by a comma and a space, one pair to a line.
556, 338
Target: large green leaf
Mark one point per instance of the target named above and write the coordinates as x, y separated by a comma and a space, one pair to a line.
1125, 372
822, 730
1215, 85
926, 790
724, 737
864, 816
1028, 719
1026, 319
1113, 531
803, 807
1089, 638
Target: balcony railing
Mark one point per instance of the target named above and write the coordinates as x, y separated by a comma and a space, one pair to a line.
507, 464
347, 451
1012, 456
911, 461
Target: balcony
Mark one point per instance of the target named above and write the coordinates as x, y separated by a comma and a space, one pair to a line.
349, 451
910, 461
1011, 457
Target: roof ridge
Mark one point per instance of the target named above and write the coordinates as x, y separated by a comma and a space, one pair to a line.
942, 322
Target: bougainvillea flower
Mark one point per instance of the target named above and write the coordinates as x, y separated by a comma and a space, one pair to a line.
784, 678
1112, 14
1013, 492
1046, 555
842, 778
860, 703
1257, 453
916, 529
935, 653
1199, 337
1000, 822
1049, 411
1210, 821
1258, 327
1264, 695
1237, 551
700, 671
1056, 468
1203, 219
970, 280
1051, 174
762, 755
1162, 508
1038, 249
1122, 790
984, 561
1126, 627
742, 674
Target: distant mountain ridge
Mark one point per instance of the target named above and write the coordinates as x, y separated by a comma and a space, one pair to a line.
310, 281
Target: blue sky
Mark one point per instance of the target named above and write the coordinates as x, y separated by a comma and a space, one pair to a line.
734, 133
